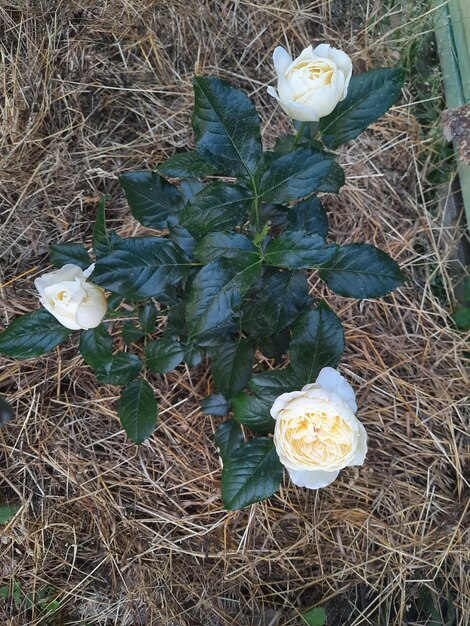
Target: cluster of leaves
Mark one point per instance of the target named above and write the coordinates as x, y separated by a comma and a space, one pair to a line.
228, 270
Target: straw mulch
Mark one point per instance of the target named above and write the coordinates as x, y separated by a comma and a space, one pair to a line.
138, 536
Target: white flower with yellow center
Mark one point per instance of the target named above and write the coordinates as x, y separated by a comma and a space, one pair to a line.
71, 299
317, 432
311, 86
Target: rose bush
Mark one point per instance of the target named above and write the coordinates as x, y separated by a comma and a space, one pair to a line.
232, 233
311, 86
317, 432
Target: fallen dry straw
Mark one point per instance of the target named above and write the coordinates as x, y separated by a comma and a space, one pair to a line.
138, 536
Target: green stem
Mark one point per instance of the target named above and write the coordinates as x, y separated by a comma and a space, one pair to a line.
298, 135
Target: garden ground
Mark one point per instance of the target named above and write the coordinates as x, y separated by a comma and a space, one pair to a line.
115, 534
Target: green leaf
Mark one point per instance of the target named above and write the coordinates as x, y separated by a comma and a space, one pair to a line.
254, 411
359, 270
190, 188
276, 382
148, 317
228, 438
96, 348
308, 215
193, 355
226, 245
8, 512
216, 293
216, 405
151, 198
280, 298
462, 317
335, 179
231, 366
466, 290
100, 241
226, 126
297, 250
6, 412
275, 346
293, 175
187, 165
141, 267
131, 334
317, 341
218, 206
124, 368
137, 410
181, 236
315, 617
74, 253
163, 355
251, 473
369, 96
33, 334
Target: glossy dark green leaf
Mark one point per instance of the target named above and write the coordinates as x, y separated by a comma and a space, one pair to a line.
369, 96
141, 267
193, 355
224, 244
226, 126
32, 334
8, 512
101, 241
308, 215
293, 175
187, 165
137, 410
231, 366
96, 348
148, 317
297, 250
216, 405
359, 270
131, 333
254, 411
228, 438
275, 346
190, 188
181, 236
163, 355
251, 473
276, 382
6, 412
462, 318
124, 368
317, 341
74, 253
216, 293
151, 198
279, 299
217, 207
335, 179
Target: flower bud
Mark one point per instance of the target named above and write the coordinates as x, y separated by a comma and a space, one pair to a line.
311, 86
74, 302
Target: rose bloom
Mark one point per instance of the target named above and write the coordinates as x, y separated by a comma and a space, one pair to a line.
317, 432
74, 302
311, 86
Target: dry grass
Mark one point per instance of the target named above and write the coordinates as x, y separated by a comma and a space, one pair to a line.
131, 536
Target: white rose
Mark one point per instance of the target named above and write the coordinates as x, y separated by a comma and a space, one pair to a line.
317, 432
311, 86
74, 302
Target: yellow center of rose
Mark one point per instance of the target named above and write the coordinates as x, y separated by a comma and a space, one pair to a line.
319, 71
314, 439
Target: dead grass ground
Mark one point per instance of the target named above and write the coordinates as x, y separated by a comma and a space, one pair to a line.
138, 536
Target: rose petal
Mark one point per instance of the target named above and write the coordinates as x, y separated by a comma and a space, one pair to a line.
331, 379
281, 59
361, 449
312, 479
